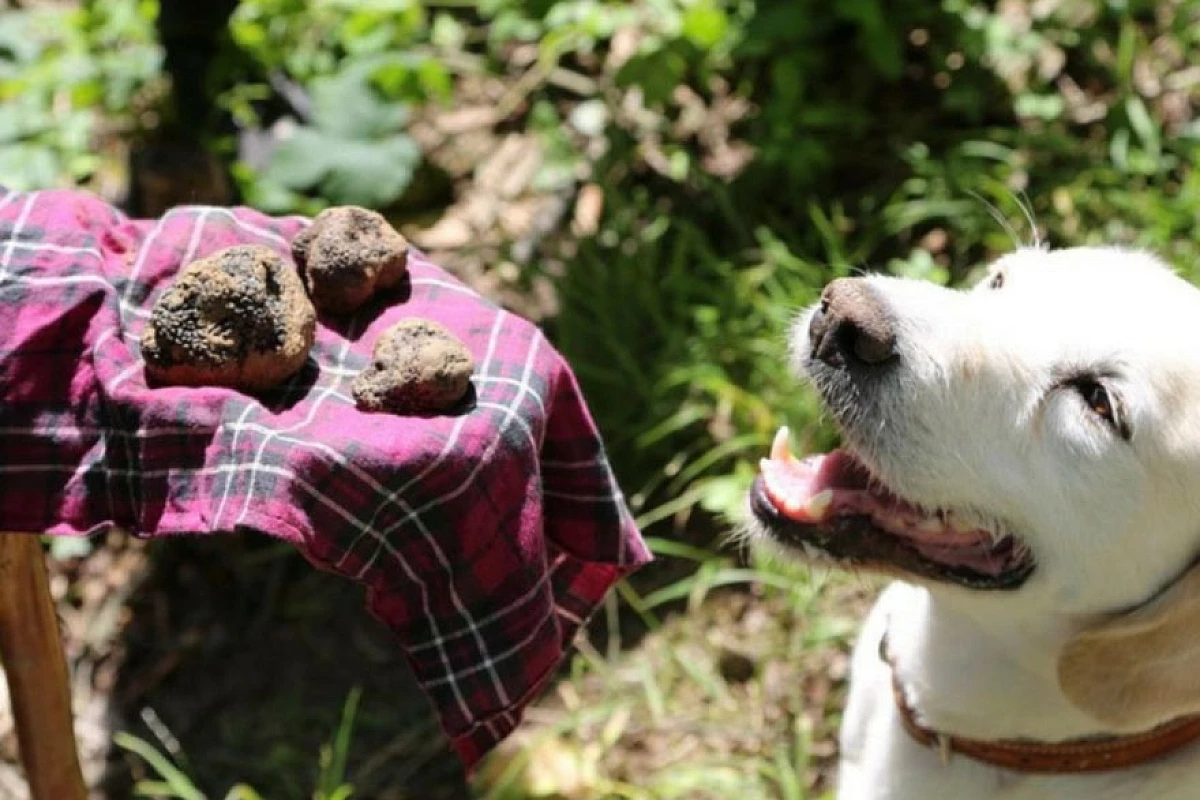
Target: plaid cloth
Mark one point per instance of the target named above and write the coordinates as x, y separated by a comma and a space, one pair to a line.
484, 539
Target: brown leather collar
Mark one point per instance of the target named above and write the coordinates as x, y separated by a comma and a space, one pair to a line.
1090, 754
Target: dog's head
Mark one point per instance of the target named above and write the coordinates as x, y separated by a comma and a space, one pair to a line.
1039, 433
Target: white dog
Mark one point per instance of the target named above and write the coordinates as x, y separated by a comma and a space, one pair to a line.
1025, 458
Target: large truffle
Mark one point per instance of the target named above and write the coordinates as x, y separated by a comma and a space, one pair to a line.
346, 254
239, 318
419, 368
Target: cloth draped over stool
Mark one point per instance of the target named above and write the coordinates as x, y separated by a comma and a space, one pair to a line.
483, 539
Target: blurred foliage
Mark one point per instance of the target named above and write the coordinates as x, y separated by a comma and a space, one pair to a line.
64, 71
361, 66
746, 151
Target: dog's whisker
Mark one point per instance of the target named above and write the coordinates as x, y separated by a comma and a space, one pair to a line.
1026, 206
998, 216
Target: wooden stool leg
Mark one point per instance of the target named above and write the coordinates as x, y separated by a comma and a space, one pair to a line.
38, 686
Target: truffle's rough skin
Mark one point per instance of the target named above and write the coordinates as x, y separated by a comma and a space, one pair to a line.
419, 368
346, 254
239, 318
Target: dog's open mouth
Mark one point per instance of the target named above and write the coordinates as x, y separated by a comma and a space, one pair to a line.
831, 503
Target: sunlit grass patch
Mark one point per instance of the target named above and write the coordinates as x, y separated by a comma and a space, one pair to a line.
738, 696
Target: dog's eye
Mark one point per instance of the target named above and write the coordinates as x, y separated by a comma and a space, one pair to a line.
1096, 396
1102, 403
996, 281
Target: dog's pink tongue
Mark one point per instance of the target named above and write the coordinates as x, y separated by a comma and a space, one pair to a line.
806, 490
812, 490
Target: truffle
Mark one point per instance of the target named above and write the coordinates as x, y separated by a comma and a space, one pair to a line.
239, 318
346, 254
419, 368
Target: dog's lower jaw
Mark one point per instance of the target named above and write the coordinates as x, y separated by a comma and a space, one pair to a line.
981, 678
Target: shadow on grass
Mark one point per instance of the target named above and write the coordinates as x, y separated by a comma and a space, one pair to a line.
242, 652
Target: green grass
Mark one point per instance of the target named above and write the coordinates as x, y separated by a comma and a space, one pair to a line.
171, 781
737, 696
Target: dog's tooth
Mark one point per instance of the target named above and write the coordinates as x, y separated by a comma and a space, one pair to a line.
960, 525
930, 525
781, 449
818, 505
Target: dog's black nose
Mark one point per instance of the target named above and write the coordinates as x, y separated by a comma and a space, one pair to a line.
852, 327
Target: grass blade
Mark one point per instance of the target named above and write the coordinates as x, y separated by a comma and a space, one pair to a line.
173, 779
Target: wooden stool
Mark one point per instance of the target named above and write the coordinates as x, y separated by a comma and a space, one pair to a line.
32, 655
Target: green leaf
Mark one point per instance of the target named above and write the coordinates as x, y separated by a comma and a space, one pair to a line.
726, 494
372, 174
1039, 106
18, 40
243, 792
26, 167
155, 789
1142, 124
173, 779
365, 32
301, 160
331, 780
657, 73
403, 78
435, 80
705, 25
447, 32
348, 105
15, 123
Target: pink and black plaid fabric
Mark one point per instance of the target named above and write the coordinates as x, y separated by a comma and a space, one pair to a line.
484, 539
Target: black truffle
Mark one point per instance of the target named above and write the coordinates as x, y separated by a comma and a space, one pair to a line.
346, 254
419, 368
239, 318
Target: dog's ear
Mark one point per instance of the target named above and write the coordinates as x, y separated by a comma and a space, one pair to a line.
1142, 667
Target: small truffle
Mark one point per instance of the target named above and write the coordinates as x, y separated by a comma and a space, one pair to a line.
239, 318
419, 368
346, 254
